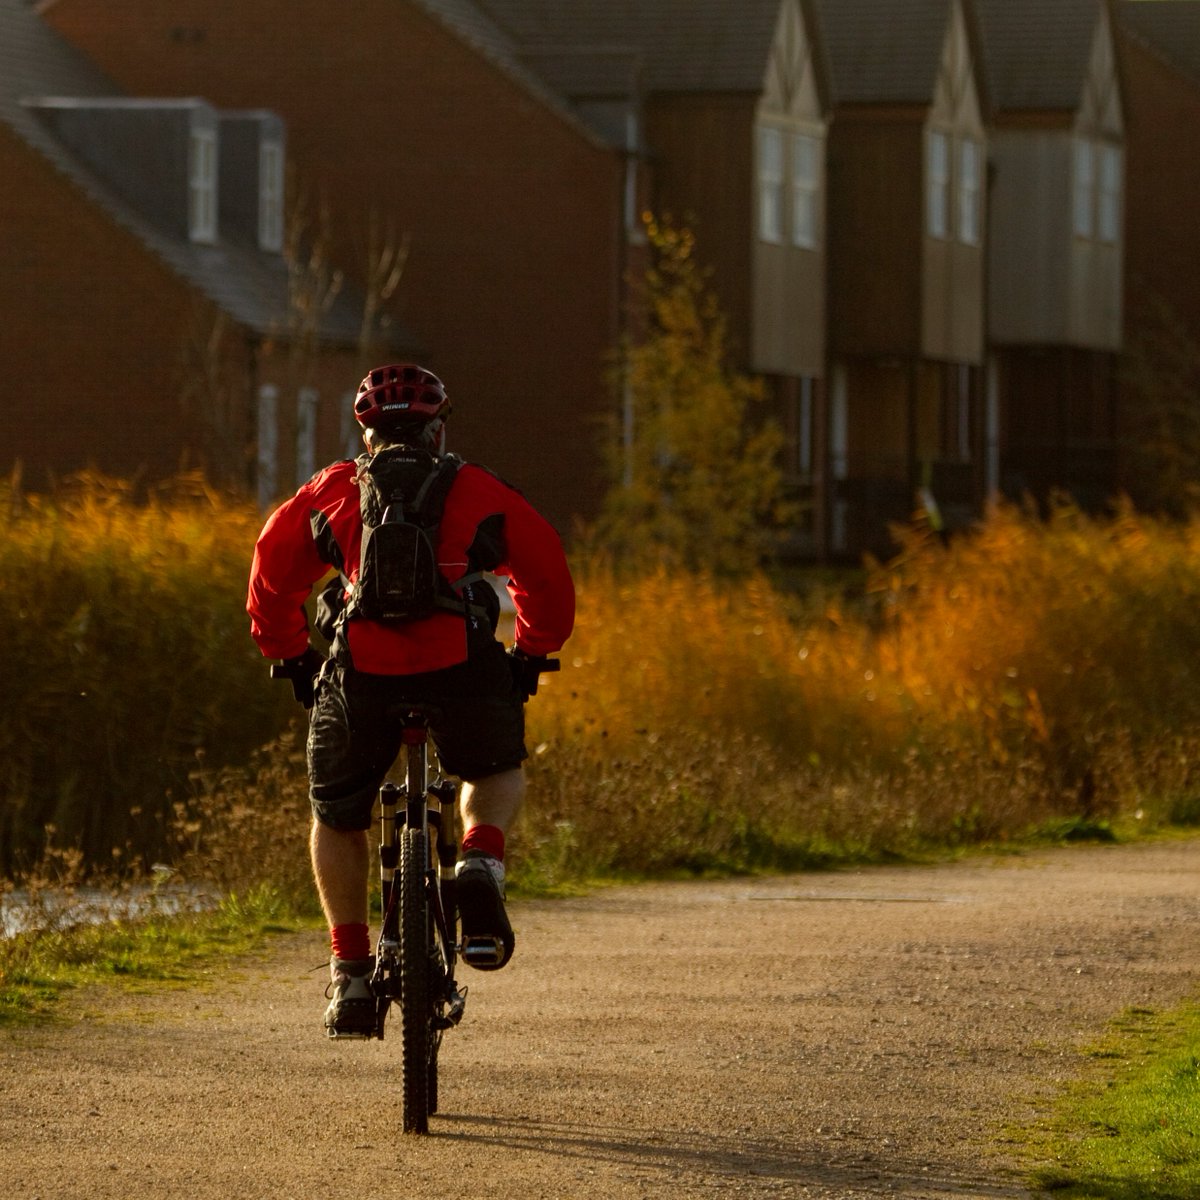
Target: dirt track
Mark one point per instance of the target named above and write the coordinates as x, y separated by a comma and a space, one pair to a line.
851, 1034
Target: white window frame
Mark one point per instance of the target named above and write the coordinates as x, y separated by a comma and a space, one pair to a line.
970, 190
270, 195
806, 187
306, 433
770, 184
1083, 187
937, 184
202, 186
1109, 194
268, 445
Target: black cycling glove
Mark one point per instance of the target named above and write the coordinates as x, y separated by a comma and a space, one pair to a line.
526, 668
302, 670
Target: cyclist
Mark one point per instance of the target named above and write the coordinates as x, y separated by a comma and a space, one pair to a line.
450, 661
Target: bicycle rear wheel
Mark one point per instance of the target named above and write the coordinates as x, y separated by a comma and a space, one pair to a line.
416, 936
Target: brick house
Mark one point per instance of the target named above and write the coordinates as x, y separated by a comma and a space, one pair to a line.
1159, 46
416, 117
145, 301
720, 113
906, 252
917, 213
1056, 246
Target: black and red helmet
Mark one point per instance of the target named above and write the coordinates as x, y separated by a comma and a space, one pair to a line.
400, 395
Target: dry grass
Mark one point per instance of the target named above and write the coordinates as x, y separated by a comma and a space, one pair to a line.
128, 662
1036, 675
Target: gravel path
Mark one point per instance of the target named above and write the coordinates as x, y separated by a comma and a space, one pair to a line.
844, 1034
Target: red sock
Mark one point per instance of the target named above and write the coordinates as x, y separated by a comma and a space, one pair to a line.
350, 942
487, 838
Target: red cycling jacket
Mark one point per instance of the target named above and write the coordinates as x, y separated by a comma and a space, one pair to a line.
288, 562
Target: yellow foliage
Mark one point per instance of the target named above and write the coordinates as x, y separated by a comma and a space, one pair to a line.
1033, 670
129, 659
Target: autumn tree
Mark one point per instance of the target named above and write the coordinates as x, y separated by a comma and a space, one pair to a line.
694, 474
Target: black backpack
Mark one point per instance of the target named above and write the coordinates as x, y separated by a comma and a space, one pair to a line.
402, 493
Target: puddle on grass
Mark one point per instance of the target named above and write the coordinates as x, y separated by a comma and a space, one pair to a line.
19, 913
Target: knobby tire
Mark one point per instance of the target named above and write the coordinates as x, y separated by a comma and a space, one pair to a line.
416, 1007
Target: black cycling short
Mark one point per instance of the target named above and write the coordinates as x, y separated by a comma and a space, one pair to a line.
476, 722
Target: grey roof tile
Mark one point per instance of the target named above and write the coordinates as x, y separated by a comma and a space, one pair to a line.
473, 23
1037, 54
676, 45
883, 51
1169, 27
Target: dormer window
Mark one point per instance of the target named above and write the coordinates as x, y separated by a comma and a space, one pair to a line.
1108, 201
805, 185
937, 176
1085, 175
953, 187
202, 186
789, 186
1096, 191
770, 184
270, 195
970, 180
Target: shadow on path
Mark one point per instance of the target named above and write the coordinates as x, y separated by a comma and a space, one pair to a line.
773, 1166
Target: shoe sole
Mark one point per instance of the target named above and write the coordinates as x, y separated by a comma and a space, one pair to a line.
487, 936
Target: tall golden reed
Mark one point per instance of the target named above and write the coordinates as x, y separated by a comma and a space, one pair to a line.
128, 661
1034, 673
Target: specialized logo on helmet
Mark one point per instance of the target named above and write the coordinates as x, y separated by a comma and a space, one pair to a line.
399, 392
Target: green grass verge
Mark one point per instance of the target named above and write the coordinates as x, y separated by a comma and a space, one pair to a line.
39, 971
1130, 1129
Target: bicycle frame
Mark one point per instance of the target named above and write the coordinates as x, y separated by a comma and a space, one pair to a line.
418, 947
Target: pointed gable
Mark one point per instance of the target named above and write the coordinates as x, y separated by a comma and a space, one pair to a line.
956, 93
793, 85
1100, 110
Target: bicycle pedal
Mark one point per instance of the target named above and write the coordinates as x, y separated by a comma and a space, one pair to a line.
336, 1036
483, 951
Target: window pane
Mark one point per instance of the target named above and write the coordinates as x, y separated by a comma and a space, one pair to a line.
270, 196
1084, 186
202, 186
968, 191
1108, 216
770, 184
938, 185
804, 190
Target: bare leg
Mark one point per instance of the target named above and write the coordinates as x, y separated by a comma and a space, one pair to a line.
341, 861
495, 800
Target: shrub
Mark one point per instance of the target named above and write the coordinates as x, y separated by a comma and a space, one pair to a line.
129, 660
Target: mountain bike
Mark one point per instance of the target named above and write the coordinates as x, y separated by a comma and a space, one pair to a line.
419, 943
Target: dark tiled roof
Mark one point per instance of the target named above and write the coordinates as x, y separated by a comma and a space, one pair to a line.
473, 23
250, 286
1036, 53
677, 45
1170, 27
884, 51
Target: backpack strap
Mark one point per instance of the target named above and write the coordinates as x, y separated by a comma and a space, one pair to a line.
430, 502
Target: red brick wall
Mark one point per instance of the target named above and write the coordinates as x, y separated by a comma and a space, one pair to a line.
513, 215
1162, 179
92, 332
